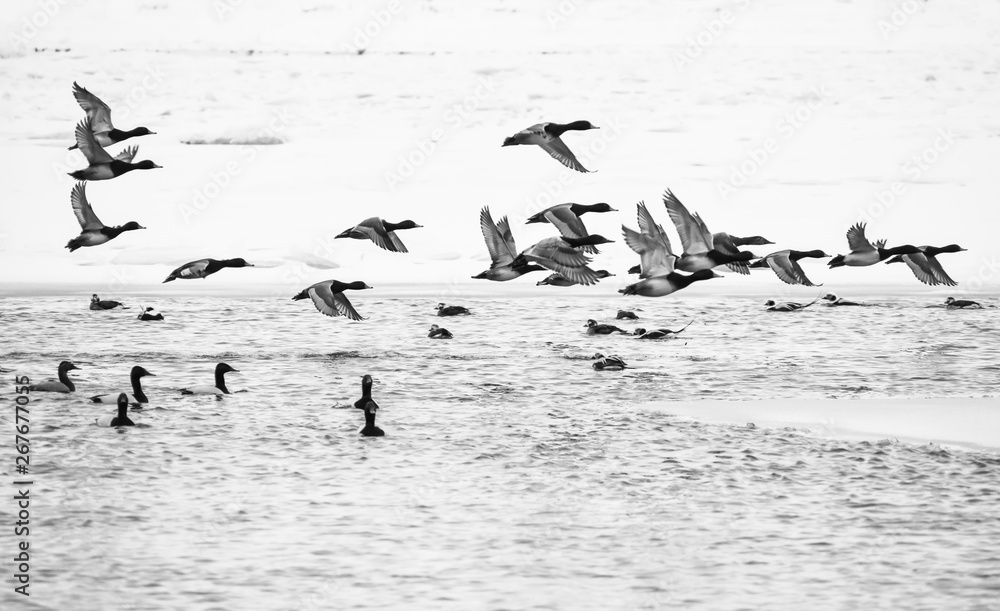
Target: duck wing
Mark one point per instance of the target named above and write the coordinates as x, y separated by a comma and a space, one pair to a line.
85, 140
650, 227
695, 236
330, 303
569, 225
788, 271
939, 274
558, 251
723, 242
194, 269
81, 207
128, 154
921, 268
654, 259
553, 145
857, 241
499, 240
97, 111
374, 230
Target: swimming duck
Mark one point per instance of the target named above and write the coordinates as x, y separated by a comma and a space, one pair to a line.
96, 303
661, 333
626, 315
383, 233
447, 310
557, 279
566, 218
599, 329
150, 314
121, 419
952, 303
787, 306
203, 268
864, 253
701, 251
366, 393
101, 165
64, 384
137, 397
657, 267
562, 255
609, 363
437, 332
99, 115
500, 243
547, 136
837, 301
220, 383
369, 429
328, 297
785, 266
93, 231
925, 265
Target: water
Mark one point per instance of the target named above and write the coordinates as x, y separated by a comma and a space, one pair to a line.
512, 475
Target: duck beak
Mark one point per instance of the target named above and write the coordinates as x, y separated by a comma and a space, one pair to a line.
157, 166
141, 227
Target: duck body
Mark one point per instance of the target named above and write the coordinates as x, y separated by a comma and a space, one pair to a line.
660, 333
958, 304
220, 383
329, 299
447, 310
833, 300
63, 385
96, 303
366, 393
149, 314
593, 328
787, 306
547, 136
785, 266
437, 332
138, 397
608, 363
864, 253
203, 268
659, 286
382, 233
505, 264
121, 418
626, 315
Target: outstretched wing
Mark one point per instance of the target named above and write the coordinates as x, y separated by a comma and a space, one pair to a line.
499, 240
85, 140
373, 229
654, 260
81, 207
330, 303
128, 154
921, 268
97, 111
934, 266
650, 227
857, 241
788, 271
695, 236
553, 145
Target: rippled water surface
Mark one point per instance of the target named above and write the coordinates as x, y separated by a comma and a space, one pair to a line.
512, 475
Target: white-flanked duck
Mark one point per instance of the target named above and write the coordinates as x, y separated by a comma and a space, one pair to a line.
138, 397
566, 218
557, 279
92, 231
657, 267
220, 383
608, 363
99, 115
957, 304
203, 268
64, 384
699, 243
119, 419
785, 266
149, 314
328, 297
437, 332
593, 328
833, 300
864, 253
101, 165
660, 333
563, 255
547, 136
96, 303
503, 251
925, 265
787, 306
452, 310
382, 233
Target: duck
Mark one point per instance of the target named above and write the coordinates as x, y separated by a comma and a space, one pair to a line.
137, 397
369, 429
864, 253
366, 393
149, 314
657, 267
925, 266
437, 332
600, 329
121, 419
566, 218
562, 255
557, 279
837, 301
951, 303
92, 231
608, 363
220, 383
701, 250
64, 384
99, 115
787, 306
661, 333
547, 136
328, 297
96, 303
454, 310
203, 268
101, 165
500, 244
382, 233
651, 243
784, 264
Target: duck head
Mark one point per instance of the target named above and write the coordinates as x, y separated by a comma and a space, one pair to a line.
237, 262
131, 226
590, 240
754, 240
145, 165
603, 273
224, 368
639, 331
591, 323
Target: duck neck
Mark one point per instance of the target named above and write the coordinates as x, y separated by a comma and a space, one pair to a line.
137, 389
369, 418
66, 381
220, 381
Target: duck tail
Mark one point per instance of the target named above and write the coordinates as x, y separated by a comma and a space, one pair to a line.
628, 290
73, 244
301, 295
70, 148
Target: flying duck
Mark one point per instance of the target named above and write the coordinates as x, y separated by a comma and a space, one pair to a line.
562, 255
96, 303
546, 135
503, 251
787, 306
328, 297
657, 267
454, 310
64, 384
701, 250
864, 253
437, 332
220, 383
785, 265
609, 363
925, 265
837, 301
99, 115
557, 279
383, 233
952, 303
121, 419
93, 231
101, 165
566, 218
661, 333
203, 268
137, 397
599, 329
